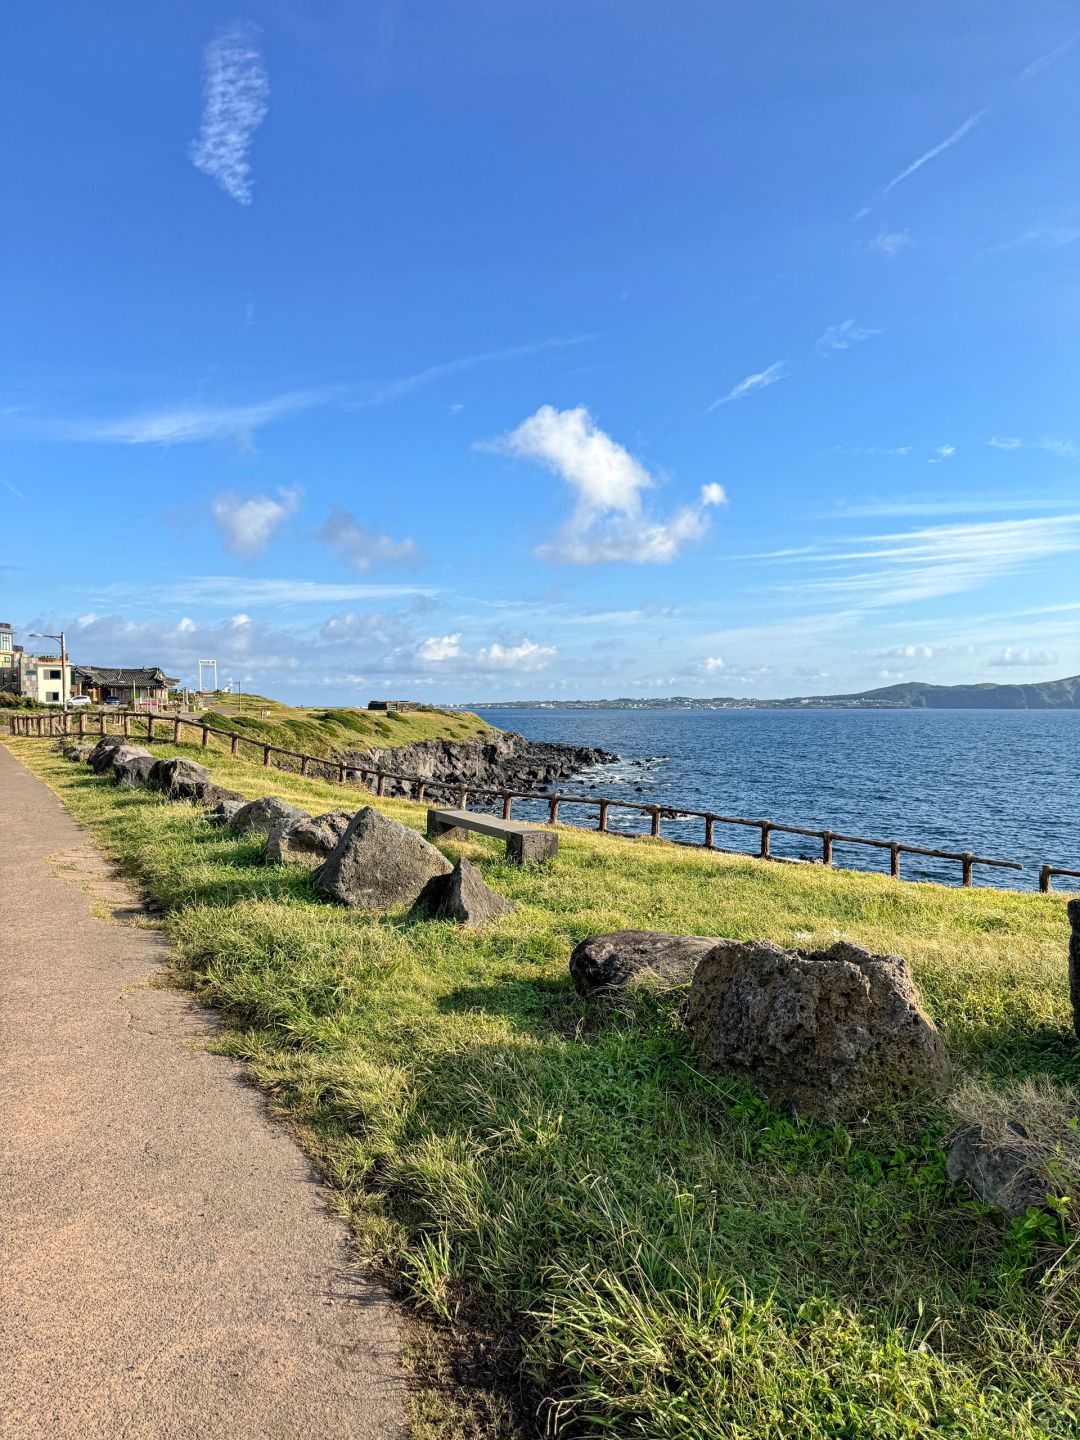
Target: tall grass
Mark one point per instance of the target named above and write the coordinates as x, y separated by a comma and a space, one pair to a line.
644, 1250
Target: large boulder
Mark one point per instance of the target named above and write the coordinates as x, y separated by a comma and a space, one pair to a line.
1073, 912
1002, 1170
132, 765
379, 862
826, 1033
100, 758
464, 896
180, 778
80, 751
259, 817
307, 841
608, 963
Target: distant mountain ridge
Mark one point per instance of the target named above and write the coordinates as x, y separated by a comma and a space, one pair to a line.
908, 695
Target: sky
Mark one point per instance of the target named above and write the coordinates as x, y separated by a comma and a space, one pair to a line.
509, 349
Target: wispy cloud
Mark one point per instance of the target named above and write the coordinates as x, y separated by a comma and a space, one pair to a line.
247, 523
761, 381
965, 128
927, 563
201, 422
890, 242
1037, 237
1051, 57
446, 650
842, 337
236, 94
609, 520
943, 452
1023, 657
241, 590
360, 548
915, 506
1063, 449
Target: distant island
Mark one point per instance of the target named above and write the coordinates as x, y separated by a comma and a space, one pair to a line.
909, 695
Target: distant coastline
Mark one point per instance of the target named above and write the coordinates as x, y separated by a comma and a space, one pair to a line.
909, 695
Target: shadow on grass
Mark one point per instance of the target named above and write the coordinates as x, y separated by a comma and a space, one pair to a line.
1012, 1053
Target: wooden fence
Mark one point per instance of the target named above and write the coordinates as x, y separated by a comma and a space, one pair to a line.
160, 728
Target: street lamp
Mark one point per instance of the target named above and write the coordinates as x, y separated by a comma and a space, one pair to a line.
39, 635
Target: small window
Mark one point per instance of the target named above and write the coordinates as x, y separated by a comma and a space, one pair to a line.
53, 675
52, 697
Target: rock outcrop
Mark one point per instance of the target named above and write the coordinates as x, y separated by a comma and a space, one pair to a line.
504, 761
377, 863
306, 842
604, 964
1073, 912
80, 751
463, 896
181, 779
1001, 1171
826, 1033
132, 765
259, 817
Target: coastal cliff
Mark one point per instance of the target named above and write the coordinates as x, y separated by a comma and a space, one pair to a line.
502, 761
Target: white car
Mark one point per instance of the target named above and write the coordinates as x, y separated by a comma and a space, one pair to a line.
80, 702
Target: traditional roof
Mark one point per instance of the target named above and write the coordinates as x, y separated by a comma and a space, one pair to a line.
148, 677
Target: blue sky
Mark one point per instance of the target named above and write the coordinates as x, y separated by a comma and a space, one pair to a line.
521, 349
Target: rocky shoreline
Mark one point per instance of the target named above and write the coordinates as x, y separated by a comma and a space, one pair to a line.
506, 761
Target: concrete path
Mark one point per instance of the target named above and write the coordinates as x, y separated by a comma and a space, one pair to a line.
168, 1265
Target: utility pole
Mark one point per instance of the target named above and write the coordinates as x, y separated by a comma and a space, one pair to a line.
41, 635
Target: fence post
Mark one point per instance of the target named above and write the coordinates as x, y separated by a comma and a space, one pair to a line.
601, 823
82, 723
233, 742
176, 731
766, 837
1044, 878
266, 754
303, 764
419, 789
553, 810
966, 862
508, 802
708, 832
826, 847
655, 827
149, 726
127, 723
101, 722
463, 798
380, 783
894, 860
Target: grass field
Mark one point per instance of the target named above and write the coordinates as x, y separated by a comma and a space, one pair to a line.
324, 733
600, 1234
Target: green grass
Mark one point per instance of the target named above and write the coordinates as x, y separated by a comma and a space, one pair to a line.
326, 733
647, 1250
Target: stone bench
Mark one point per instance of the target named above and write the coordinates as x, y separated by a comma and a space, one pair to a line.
523, 842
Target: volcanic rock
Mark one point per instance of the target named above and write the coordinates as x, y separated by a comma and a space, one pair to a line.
221, 813
180, 778
464, 896
826, 1033
1002, 1172
379, 862
132, 765
259, 817
607, 963
305, 842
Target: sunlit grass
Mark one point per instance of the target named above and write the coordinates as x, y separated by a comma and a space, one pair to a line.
661, 1253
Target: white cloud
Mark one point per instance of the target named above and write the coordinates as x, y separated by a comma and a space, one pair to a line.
842, 337
183, 424
609, 521
761, 381
526, 656
942, 452
890, 242
713, 664
360, 549
1005, 442
248, 524
236, 93
437, 648
965, 128
1064, 449
1024, 657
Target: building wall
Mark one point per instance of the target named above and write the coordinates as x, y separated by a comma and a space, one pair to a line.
41, 679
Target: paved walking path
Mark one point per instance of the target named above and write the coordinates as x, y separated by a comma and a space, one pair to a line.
168, 1265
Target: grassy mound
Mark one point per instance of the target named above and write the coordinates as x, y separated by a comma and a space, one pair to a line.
640, 1249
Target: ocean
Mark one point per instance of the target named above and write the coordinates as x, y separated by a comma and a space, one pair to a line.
1002, 783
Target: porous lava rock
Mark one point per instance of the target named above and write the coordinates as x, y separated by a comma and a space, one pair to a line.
221, 813
259, 817
464, 896
1002, 1171
605, 964
308, 841
100, 758
180, 778
827, 1033
132, 765
377, 863
80, 751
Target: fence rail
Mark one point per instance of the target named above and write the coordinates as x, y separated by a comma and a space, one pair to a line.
169, 728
